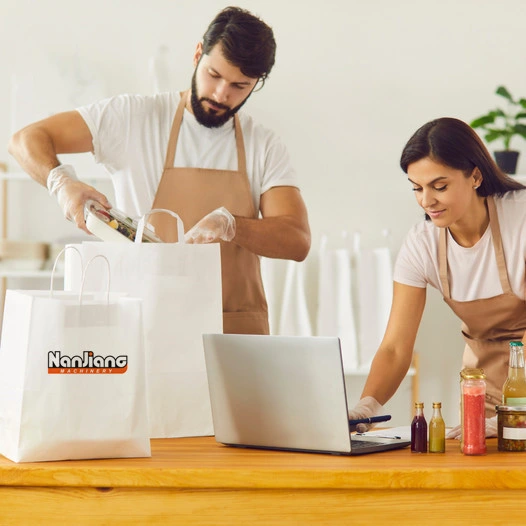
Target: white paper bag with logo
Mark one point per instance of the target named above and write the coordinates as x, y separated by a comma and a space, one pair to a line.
181, 288
72, 377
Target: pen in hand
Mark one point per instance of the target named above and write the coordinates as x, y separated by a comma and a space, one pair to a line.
369, 420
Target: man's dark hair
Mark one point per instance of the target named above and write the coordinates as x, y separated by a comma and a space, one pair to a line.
246, 41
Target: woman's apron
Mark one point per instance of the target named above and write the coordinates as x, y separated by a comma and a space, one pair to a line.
488, 325
193, 193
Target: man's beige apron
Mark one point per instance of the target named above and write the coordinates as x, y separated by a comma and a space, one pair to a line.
194, 192
488, 325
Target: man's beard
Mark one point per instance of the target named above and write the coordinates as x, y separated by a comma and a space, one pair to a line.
210, 118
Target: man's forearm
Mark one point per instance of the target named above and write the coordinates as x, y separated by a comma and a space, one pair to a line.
280, 237
36, 146
34, 151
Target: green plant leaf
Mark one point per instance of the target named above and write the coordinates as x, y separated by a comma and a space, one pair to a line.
503, 130
498, 113
483, 121
502, 124
494, 135
503, 92
520, 129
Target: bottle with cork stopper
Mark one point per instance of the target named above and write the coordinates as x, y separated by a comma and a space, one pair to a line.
437, 430
419, 430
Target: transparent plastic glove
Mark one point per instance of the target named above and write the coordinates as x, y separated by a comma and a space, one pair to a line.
71, 194
219, 224
365, 408
491, 429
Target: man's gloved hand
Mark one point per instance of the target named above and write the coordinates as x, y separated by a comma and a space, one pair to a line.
219, 224
71, 194
365, 408
491, 429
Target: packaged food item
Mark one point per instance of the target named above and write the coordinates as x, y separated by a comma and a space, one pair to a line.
511, 426
114, 225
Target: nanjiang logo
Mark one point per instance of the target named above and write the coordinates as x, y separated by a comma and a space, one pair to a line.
88, 363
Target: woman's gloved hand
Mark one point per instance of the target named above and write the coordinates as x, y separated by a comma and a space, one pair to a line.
365, 408
219, 224
72, 194
491, 429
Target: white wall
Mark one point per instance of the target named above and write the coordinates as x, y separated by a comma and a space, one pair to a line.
353, 80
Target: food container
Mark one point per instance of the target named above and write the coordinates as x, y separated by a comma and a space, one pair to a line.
22, 255
472, 411
113, 225
511, 424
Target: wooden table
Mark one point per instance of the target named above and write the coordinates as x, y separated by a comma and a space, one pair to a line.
196, 481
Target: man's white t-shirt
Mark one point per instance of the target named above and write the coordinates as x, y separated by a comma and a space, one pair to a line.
130, 138
473, 272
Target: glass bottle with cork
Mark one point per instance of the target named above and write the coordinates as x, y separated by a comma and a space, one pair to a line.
437, 430
473, 411
419, 430
514, 389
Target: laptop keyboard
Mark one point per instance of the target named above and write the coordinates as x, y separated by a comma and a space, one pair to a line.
357, 444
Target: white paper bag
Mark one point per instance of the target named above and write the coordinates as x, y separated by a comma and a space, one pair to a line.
72, 377
181, 288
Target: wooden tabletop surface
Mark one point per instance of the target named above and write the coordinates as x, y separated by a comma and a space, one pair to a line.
200, 463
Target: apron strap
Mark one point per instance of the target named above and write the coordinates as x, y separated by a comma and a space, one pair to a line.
442, 263
497, 245
240, 146
174, 132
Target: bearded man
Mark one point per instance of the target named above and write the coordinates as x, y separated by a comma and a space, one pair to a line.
227, 177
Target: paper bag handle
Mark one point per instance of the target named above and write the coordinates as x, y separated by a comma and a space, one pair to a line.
84, 277
63, 251
142, 221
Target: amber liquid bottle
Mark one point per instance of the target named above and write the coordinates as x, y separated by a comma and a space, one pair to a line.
419, 430
437, 430
514, 389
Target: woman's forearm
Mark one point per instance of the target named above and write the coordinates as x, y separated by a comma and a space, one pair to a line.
387, 372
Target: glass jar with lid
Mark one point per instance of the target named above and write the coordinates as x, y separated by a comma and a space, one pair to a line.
473, 411
511, 425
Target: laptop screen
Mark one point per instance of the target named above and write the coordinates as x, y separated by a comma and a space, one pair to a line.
282, 392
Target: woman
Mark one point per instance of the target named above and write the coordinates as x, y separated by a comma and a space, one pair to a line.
472, 248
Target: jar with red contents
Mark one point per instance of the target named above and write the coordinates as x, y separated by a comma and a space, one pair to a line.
473, 412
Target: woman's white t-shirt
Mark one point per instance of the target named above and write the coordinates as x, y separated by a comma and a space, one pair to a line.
130, 138
473, 272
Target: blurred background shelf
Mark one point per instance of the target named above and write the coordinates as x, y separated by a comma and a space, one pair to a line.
31, 274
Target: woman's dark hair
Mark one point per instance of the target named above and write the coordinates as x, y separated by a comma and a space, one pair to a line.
453, 143
246, 41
